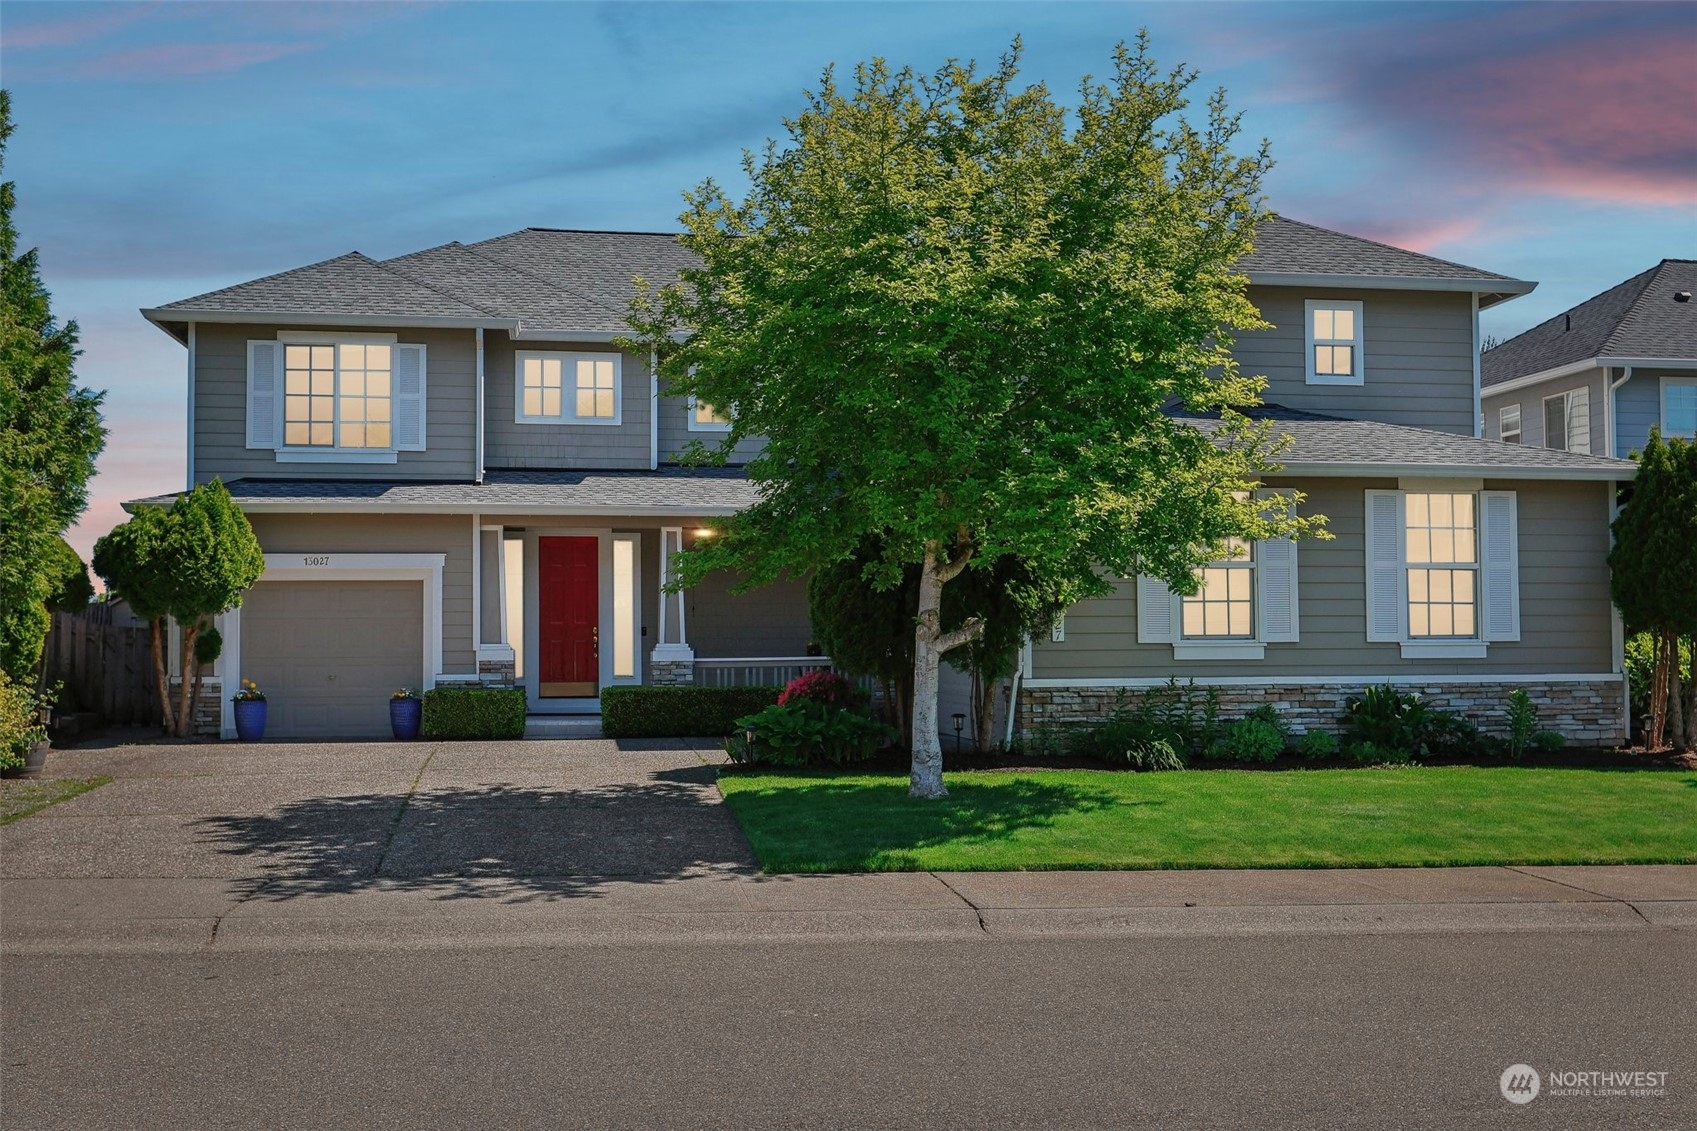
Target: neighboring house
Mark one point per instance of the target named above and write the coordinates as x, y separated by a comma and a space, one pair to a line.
1597, 378
456, 476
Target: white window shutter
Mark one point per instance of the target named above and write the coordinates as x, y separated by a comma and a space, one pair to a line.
1499, 566
1579, 420
1385, 577
1156, 623
1275, 596
264, 394
409, 398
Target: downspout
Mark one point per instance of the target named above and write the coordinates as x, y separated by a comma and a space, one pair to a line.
191, 404
1609, 441
653, 410
1478, 389
479, 479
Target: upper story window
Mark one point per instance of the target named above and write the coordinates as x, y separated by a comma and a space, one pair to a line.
1679, 406
326, 398
1223, 607
568, 388
703, 417
1567, 421
1508, 424
1334, 341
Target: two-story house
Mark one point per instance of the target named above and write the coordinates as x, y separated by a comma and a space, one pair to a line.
456, 475
1597, 378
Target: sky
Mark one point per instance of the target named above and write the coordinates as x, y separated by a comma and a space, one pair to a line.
166, 149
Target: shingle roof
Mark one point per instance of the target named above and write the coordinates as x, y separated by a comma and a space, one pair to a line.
550, 279
1635, 319
672, 490
1331, 445
351, 284
1284, 246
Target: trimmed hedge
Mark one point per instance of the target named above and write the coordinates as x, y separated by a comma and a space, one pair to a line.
473, 712
680, 712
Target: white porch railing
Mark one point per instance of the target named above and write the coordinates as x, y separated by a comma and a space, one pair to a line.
749, 671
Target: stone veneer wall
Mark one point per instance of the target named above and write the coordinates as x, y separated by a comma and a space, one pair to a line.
502, 672
208, 709
1586, 713
671, 673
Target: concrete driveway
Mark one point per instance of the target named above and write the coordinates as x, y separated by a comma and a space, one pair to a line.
203, 825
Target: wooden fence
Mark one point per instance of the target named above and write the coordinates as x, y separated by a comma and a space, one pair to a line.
105, 668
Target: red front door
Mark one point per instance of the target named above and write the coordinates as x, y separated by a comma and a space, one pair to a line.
569, 643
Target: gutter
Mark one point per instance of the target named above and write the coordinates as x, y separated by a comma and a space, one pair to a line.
1572, 367
480, 425
1609, 409
604, 511
1504, 288
653, 410
191, 345
1623, 471
1478, 400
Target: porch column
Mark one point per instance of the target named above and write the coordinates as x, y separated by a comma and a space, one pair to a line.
673, 661
496, 660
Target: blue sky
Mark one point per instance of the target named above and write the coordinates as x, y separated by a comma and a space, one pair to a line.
163, 150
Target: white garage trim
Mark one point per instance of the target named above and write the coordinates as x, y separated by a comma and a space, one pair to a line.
426, 568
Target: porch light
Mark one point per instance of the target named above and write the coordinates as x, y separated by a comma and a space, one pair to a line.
705, 532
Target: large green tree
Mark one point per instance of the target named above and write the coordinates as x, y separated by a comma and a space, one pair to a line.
1653, 576
956, 311
188, 563
50, 434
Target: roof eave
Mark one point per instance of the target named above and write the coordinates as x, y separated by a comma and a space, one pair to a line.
1514, 384
360, 506
1490, 291
162, 315
1360, 470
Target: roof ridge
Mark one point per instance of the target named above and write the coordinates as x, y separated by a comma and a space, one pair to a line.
591, 299
443, 291
1393, 247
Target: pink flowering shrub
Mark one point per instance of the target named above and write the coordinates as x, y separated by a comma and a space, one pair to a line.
820, 686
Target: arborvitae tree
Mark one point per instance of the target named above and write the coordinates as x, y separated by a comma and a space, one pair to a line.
50, 435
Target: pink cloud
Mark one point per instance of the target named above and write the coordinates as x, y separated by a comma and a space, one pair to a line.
174, 60
90, 24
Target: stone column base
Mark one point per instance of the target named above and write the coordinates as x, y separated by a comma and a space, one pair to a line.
671, 673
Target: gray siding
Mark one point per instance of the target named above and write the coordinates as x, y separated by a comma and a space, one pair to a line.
220, 410
770, 621
391, 534
1564, 602
1417, 357
1531, 401
675, 436
605, 446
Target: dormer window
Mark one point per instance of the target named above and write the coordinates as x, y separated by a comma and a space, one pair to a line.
1333, 342
567, 388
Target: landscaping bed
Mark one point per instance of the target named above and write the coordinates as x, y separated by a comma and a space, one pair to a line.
1402, 816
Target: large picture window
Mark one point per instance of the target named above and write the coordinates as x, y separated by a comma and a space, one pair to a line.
337, 396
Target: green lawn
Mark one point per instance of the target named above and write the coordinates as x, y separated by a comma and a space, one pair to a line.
19, 797
1305, 819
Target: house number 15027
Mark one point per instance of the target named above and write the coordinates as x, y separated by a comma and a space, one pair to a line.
316, 560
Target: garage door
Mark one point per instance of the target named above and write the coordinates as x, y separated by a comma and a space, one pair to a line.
328, 654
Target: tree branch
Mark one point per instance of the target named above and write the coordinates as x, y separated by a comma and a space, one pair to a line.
965, 634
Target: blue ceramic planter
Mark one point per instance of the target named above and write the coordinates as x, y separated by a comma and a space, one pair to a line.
250, 719
405, 716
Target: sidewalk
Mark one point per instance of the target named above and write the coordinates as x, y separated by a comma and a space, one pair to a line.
82, 915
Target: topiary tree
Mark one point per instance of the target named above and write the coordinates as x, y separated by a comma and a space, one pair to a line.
956, 310
1653, 576
189, 563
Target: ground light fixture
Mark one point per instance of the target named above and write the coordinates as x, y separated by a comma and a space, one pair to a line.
960, 725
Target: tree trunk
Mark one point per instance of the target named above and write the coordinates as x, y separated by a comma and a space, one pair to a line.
185, 708
1691, 697
1658, 696
929, 645
156, 629
985, 704
926, 779
1678, 723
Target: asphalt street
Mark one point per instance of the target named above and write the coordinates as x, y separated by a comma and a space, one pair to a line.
1330, 1031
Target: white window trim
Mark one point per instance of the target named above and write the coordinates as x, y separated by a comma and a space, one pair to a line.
568, 365
1309, 306
334, 453
1662, 403
1436, 648
696, 426
1502, 422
